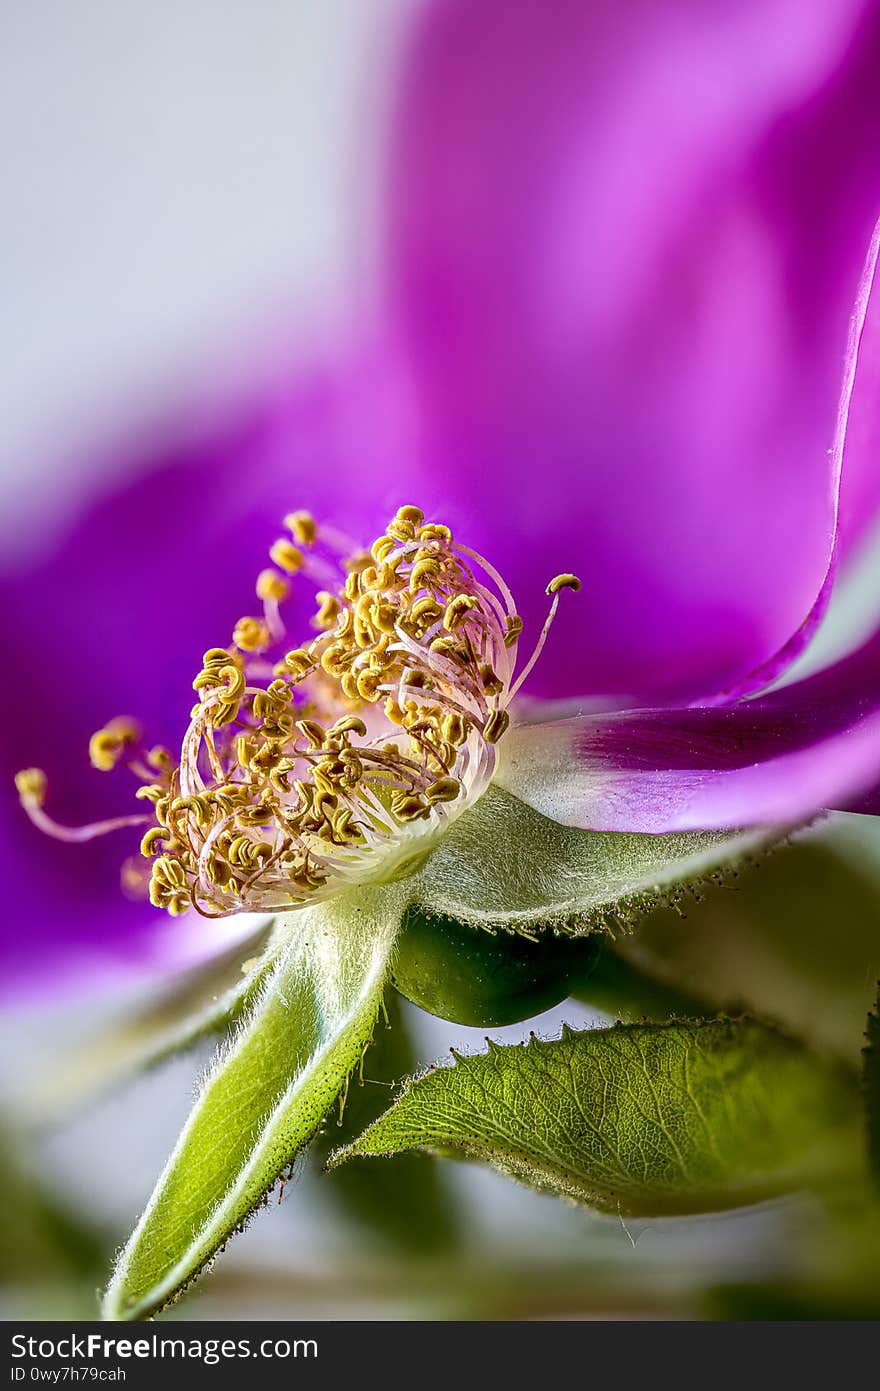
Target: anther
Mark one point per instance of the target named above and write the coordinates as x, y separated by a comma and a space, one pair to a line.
563, 582
328, 609
414, 515
302, 527
513, 626
495, 726
251, 635
286, 556
271, 585
457, 608
30, 784
443, 790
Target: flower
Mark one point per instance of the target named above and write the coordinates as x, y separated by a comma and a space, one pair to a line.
339, 762
616, 350
343, 761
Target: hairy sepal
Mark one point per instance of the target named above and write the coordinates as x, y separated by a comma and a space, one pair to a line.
506, 867
265, 1096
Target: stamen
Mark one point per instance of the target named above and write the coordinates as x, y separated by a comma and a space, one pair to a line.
307, 769
555, 587
31, 785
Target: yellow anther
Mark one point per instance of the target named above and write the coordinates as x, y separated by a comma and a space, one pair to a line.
107, 745
416, 678
150, 792
314, 732
495, 726
336, 659
443, 790
382, 548
454, 728
393, 712
435, 532
328, 609
446, 647
286, 556
251, 635
349, 724
341, 825
491, 682
425, 610
348, 685
298, 661
223, 713
513, 626
278, 725
151, 841
233, 681
408, 807
384, 618
363, 633
265, 705
169, 870
280, 691
457, 608
30, 784
401, 530
414, 515
368, 683
424, 572
563, 582
302, 527
271, 585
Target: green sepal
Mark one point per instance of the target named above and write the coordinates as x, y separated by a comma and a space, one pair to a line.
646, 1120
504, 866
265, 1095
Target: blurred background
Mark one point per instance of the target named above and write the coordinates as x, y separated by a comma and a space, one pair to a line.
208, 203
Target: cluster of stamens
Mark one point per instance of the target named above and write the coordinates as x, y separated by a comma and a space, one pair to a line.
341, 760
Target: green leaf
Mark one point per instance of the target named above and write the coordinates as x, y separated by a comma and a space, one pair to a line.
871, 1076
408, 1206
648, 1120
504, 865
794, 939
266, 1094
200, 1003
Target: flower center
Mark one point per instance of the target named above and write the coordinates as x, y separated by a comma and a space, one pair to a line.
303, 770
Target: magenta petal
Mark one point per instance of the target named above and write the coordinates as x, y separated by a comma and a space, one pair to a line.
775, 760
856, 447
112, 618
625, 243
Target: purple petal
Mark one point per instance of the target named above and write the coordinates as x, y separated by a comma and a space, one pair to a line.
856, 446
625, 241
113, 617
775, 760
